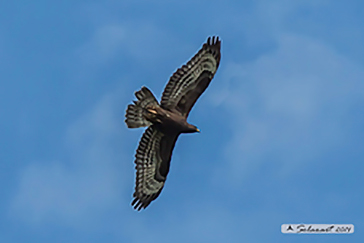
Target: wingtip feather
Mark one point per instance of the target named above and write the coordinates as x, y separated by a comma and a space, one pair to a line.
215, 40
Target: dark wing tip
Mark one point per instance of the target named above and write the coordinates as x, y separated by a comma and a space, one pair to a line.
141, 91
213, 45
137, 204
213, 41
141, 202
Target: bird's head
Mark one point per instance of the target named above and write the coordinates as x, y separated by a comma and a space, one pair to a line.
192, 129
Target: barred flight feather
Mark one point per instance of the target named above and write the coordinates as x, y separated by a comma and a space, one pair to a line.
147, 160
189, 76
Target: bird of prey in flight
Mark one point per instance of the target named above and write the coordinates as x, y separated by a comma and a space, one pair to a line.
167, 120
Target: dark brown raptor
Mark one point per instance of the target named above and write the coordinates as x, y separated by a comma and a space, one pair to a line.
167, 120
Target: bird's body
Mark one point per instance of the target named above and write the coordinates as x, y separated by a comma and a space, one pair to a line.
167, 120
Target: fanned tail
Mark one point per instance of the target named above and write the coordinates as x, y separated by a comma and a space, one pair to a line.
135, 112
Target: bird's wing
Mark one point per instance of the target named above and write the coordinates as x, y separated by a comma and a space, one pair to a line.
152, 161
191, 80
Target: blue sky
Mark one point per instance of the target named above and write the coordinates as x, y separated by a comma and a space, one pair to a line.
282, 121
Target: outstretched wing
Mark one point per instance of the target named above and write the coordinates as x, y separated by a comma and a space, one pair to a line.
191, 80
152, 161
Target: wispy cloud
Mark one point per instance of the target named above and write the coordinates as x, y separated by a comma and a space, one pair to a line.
289, 105
104, 44
135, 40
76, 190
283, 97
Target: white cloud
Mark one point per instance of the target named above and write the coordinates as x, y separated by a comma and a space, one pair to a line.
74, 191
197, 223
134, 40
287, 106
204, 222
266, 20
104, 44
